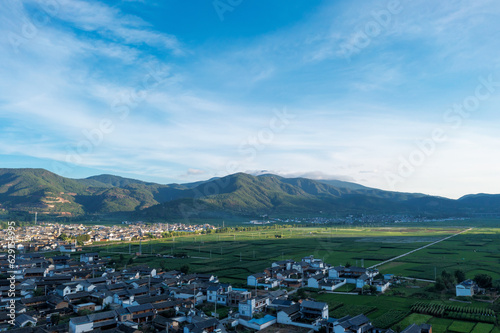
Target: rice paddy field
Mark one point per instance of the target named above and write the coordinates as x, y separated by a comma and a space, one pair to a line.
234, 256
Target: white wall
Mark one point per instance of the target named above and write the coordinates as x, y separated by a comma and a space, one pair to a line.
462, 291
312, 283
80, 328
283, 318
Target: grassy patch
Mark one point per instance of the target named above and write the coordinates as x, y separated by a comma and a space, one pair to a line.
353, 310
461, 326
389, 318
482, 328
440, 325
414, 318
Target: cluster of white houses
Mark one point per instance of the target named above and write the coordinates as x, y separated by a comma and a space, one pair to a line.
314, 273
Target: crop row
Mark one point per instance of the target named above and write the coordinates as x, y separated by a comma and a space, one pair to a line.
455, 312
389, 318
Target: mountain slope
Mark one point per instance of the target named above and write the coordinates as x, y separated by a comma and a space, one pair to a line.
238, 194
243, 194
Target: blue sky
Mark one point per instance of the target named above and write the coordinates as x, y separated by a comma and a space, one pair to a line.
399, 95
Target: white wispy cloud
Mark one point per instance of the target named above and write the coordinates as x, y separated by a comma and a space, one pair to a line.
352, 120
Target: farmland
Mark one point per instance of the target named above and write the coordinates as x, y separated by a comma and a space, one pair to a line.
234, 256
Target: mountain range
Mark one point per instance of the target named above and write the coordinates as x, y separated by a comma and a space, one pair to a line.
29, 190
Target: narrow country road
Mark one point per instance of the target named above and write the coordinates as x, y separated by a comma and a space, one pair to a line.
420, 248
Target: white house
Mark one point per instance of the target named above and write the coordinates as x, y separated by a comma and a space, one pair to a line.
89, 257
80, 325
382, 286
288, 315
187, 294
67, 248
361, 281
255, 279
285, 264
70, 288
247, 309
92, 321
315, 263
219, 293
466, 288
258, 324
313, 281
331, 284
314, 309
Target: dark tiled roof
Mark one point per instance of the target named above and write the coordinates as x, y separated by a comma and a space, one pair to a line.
313, 305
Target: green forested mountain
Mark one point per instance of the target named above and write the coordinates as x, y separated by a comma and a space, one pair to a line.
239, 194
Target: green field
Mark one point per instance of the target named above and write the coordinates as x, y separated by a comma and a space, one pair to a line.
461, 327
475, 252
233, 256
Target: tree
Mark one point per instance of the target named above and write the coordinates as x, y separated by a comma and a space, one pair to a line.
460, 275
54, 318
483, 280
439, 286
185, 269
301, 293
448, 280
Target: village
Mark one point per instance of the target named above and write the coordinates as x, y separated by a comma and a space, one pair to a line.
81, 293
47, 236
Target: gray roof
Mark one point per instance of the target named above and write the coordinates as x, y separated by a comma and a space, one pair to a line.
22, 318
78, 295
292, 309
142, 307
313, 305
359, 320
151, 299
166, 304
